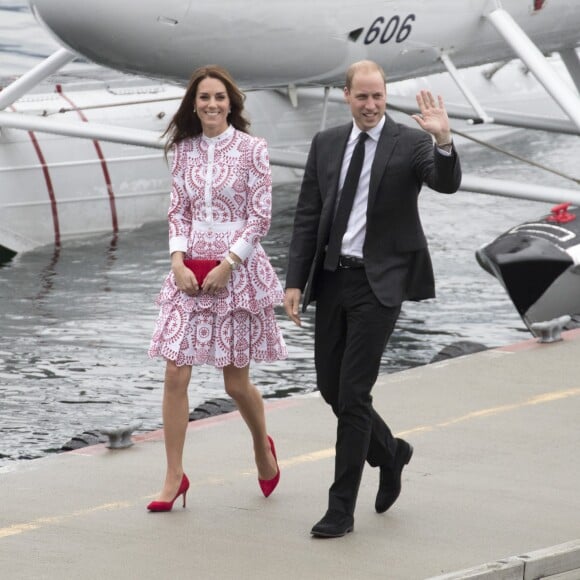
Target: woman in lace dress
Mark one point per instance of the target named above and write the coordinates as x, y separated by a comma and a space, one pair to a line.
220, 209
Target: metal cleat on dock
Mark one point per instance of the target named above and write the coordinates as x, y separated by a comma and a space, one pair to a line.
550, 330
120, 437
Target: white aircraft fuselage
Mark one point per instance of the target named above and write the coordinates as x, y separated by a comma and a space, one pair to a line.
266, 43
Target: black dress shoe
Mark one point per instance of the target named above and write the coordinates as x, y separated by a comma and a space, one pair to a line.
390, 481
334, 524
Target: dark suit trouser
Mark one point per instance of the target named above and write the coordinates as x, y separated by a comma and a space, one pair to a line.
351, 332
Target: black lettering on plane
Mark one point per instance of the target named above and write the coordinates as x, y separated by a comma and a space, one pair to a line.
396, 28
354, 35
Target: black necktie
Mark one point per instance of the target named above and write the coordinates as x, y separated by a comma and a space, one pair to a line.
345, 204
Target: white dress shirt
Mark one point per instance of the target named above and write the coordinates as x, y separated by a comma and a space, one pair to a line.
354, 237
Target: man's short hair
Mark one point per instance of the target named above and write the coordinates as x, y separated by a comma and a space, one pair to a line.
363, 66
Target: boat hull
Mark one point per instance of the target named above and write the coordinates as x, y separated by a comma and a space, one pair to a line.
538, 264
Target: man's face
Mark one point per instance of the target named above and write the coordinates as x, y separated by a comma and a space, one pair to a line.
367, 98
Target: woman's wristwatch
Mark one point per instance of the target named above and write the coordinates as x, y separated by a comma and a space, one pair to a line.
233, 264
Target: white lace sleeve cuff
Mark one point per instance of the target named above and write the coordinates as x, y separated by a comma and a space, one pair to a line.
242, 249
177, 244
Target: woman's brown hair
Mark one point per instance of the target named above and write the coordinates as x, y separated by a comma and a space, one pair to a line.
186, 123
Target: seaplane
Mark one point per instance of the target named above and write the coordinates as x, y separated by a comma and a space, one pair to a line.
73, 165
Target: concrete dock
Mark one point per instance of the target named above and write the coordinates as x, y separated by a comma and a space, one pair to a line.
495, 475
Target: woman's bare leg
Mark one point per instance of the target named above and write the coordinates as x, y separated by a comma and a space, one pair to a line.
249, 402
175, 421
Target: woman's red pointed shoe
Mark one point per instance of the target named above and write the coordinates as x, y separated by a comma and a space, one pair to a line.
269, 485
166, 506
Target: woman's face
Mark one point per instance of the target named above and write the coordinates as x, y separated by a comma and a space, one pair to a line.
212, 105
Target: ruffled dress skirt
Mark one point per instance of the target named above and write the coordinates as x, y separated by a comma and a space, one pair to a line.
233, 327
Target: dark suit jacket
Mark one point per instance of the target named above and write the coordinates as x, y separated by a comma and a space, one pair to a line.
397, 260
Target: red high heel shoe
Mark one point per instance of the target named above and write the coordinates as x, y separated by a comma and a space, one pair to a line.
166, 506
269, 485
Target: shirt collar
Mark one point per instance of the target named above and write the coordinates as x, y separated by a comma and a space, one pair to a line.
373, 133
225, 135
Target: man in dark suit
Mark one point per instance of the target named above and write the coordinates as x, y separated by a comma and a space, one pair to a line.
358, 250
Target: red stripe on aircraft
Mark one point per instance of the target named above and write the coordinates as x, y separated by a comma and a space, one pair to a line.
49, 187
102, 159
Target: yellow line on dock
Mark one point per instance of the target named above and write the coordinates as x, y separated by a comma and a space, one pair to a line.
297, 460
43, 522
537, 400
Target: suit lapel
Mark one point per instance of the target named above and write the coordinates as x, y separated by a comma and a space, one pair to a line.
385, 147
336, 145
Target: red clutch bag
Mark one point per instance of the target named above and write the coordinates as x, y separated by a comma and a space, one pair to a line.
200, 268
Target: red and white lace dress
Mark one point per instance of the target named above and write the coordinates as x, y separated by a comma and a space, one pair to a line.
221, 201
